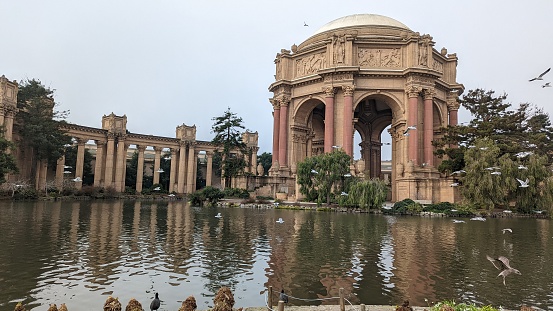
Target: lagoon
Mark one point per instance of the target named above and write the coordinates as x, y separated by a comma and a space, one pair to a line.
79, 252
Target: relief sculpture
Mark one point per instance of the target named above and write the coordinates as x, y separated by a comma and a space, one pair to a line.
379, 58
310, 64
436, 65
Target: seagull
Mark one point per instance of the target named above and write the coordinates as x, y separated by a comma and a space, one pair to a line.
218, 215
507, 211
171, 195
507, 230
478, 218
412, 127
453, 210
275, 204
538, 212
522, 167
492, 168
343, 193
483, 148
455, 184
160, 170
502, 264
548, 84
67, 172
314, 172
280, 221
540, 77
67, 166
458, 172
155, 303
456, 221
523, 154
77, 179
495, 173
167, 158
283, 296
347, 175
523, 184
387, 207
157, 188
305, 24
336, 147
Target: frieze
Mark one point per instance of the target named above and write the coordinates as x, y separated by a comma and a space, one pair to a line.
310, 64
338, 77
379, 58
438, 66
299, 138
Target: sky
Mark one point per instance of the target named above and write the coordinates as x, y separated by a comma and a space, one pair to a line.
170, 62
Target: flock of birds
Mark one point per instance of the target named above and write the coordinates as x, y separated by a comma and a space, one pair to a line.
540, 77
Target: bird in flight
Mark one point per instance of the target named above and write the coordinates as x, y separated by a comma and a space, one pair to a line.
305, 24
522, 167
502, 264
548, 84
343, 193
314, 172
507, 230
412, 127
495, 173
540, 77
455, 184
523, 183
157, 189
458, 172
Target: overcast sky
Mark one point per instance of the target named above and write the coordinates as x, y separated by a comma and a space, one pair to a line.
168, 62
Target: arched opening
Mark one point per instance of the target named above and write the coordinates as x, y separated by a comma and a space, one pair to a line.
308, 129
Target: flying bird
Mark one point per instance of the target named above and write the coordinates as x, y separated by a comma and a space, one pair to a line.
412, 127
160, 170
522, 167
502, 264
347, 175
283, 296
343, 193
305, 24
495, 173
336, 147
456, 221
523, 183
548, 84
507, 230
478, 218
157, 188
523, 154
154, 305
458, 172
280, 221
540, 77
77, 179
314, 172
455, 184
67, 166
219, 215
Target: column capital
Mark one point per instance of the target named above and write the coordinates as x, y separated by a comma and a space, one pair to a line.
174, 150
209, 154
158, 149
284, 101
141, 148
428, 93
452, 104
80, 140
329, 91
413, 91
348, 90
99, 142
274, 103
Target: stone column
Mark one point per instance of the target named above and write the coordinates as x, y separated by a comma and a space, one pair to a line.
190, 178
157, 157
428, 127
8, 123
276, 129
453, 108
412, 120
60, 168
329, 118
80, 162
283, 131
173, 174
209, 172
347, 137
110, 159
182, 168
120, 163
140, 168
99, 166
254, 161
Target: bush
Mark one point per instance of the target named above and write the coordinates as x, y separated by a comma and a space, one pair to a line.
26, 194
400, 207
208, 194
196, 198
236, 193
366, 194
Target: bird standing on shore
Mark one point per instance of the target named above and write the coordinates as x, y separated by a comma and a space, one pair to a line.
154, 305
283, 296
502, 264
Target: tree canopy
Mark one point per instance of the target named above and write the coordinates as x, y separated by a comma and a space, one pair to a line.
7, 160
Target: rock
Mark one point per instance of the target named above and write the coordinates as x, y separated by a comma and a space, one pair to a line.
53, 307
63, 307
19, 307
112, 304
189, 304
224, 300
134, 305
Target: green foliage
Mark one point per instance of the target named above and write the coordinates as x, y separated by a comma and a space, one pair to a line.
236, 193
228, 136
266, 160
367, 194
400, 207
319, 175
208, 194
38, 124
451, 305
7, 160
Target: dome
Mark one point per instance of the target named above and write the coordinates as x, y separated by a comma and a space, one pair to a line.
361, 20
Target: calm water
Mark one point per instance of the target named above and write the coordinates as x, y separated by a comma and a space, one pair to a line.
81, 252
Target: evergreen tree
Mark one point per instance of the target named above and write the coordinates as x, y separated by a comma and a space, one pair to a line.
266, 160
7, 160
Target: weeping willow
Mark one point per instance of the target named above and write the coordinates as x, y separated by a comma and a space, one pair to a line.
367, 194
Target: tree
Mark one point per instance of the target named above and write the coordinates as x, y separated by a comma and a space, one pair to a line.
318, 176
367, 194
229, 138
38, 123
266, 160
7, 160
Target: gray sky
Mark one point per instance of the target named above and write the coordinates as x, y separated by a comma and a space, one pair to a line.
168, 62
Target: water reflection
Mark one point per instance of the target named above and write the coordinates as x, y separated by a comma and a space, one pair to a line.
80, 252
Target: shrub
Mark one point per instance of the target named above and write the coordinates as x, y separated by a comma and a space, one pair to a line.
400, 207
366, 194
236, 193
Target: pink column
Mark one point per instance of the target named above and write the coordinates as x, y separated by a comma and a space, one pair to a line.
453, 107
329, 119
453, 117
276, 129
428, 127
283, 132
412, 120
347, 138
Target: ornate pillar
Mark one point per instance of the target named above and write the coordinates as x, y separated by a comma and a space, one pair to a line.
284, 101
209, 172
110, 159
254, 161
173, 173
121, 158
453, 108
140, 168
8, 122
276, 129
60, 168
190, 178
79, 166
329, 118
428, 127
99, 166
182, 168
347, 137
412, 120
157, 157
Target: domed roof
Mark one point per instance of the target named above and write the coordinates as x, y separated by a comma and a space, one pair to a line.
360, 20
